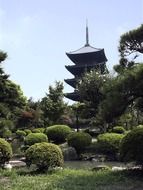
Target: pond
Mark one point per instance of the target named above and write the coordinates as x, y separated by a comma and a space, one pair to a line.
90, 164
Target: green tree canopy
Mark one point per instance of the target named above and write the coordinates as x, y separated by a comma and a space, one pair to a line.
52, 104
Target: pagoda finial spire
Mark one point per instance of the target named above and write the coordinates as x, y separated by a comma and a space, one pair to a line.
87, 37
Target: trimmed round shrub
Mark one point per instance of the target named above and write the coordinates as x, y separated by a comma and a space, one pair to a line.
58, 133
33, 138
44, 156
132, 146
5, 152
79, 141
109, 143
118, 129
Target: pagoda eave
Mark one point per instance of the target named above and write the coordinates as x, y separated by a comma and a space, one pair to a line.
71, 82
81, 58
73, 96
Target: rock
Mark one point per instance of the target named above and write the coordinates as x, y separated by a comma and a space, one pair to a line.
100, 167
69, 154
8, 167
115, 168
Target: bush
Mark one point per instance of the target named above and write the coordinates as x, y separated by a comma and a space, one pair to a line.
36, 131
27, 131
109, 143
58, 133
44, 156
79, 141
132, 146
20, 134
118, 129
33, 138
92, 132
5, 152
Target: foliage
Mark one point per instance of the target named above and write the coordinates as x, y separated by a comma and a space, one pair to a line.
44, 155
36, 131
6, 126
52, 104
90, 90
79, 141
33, 138
121, 92
5, 152
12, 100
118, 129
108, 143
20, 134
27, 131
131, 146
131, 42
58, 133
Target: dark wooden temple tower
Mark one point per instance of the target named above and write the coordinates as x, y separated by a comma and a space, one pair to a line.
85, 59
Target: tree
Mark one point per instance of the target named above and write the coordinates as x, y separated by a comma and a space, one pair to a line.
121, 92
90, 90
131, 43
52, 104
12, 100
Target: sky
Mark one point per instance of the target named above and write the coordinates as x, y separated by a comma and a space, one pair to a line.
37, 33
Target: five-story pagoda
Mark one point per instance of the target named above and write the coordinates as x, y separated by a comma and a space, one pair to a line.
85, 59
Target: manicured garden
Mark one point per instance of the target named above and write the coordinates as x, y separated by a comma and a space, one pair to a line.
108, 123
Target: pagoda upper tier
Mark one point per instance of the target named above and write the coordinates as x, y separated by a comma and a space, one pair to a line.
87, 55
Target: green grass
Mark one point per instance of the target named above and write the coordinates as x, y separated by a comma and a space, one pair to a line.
68, 179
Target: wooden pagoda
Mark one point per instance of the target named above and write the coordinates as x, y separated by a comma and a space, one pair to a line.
85, 59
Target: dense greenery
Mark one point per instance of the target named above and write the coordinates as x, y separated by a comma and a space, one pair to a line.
58, 133
44, 156
33, 138
5, 152
118, 129
131, 146
109, 143
131, 43
79, 141
53, 105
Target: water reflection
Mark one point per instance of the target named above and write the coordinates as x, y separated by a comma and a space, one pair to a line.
90, 164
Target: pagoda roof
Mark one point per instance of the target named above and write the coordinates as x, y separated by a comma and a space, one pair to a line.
73, 96
72, 82
79, 69
85, 49
87, 54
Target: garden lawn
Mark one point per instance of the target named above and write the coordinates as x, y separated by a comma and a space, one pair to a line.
68, 179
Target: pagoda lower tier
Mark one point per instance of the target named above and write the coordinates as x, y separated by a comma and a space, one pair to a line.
72, 82
73, 96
